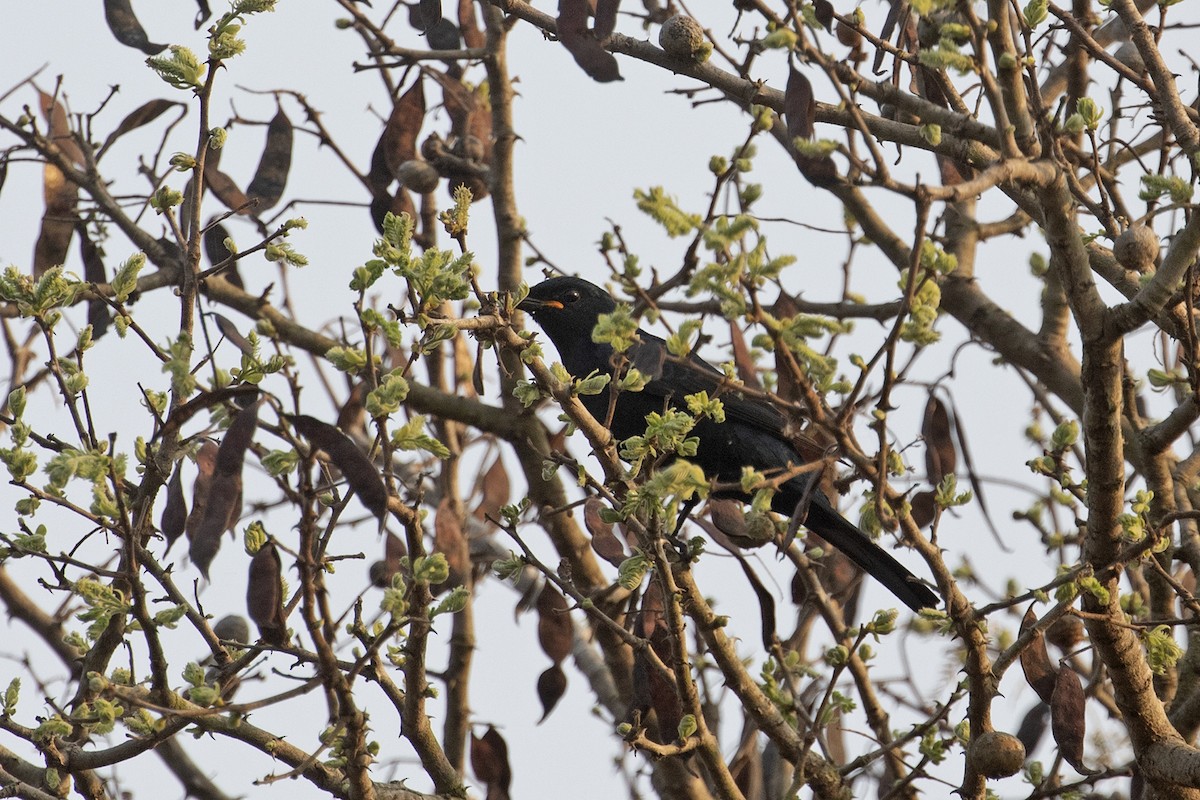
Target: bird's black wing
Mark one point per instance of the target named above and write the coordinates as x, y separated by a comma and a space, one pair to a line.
674, 378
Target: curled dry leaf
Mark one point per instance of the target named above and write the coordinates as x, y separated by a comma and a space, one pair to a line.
360, 473
551, 686
581, 42
126, 28
264, 595
270, 179
1067, 720
554, 624
604, 542
1035, 661
175, 513
489, 762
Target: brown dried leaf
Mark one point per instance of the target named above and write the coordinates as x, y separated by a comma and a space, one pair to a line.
142, 115
1068, 722
175, 513
941, 459
496, 491
604, 542
551, 686
554, 624
1035, 661
489, 762
126, 28
360, 473
581, 43
264, 595
448, 539
270, 179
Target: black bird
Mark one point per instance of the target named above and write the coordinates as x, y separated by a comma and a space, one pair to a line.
752, 435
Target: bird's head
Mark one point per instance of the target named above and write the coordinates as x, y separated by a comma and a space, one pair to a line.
567, 308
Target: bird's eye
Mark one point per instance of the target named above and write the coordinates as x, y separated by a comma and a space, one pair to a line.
570, 296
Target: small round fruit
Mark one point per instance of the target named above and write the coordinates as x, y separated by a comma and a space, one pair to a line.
1137, 248
996, 755
420, 176
683, 38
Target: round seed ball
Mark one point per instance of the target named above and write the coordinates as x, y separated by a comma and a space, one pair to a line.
1137, 248
682, 37
420, 176
996, 755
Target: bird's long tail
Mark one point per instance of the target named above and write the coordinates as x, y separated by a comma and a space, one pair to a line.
826, 522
